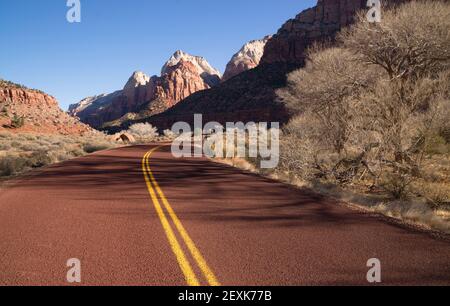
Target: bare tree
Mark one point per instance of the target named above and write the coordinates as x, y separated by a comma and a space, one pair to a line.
327, 87
413, 39
412, 44
377, 100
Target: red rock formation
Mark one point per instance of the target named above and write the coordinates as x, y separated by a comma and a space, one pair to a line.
181, 76
247, 58
179, 82
41, 113
209, 74
251, 95
136, 90
319, 23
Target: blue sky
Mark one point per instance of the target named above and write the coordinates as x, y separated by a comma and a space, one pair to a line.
40, 49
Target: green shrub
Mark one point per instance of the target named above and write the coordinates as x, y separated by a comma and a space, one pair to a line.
17, 122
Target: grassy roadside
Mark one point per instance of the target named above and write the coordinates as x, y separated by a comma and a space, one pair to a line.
21, 153
415, 210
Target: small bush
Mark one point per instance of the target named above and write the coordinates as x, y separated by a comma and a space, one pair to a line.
436, 194
168, 134
95, 147
39, 159
76, 152
397, 185
17, 122
143, 132
11, 165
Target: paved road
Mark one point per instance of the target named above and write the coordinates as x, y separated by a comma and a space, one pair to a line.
139, 218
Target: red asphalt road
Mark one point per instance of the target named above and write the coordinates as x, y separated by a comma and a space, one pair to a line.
250, 230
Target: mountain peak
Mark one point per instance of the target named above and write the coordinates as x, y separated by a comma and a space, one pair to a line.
201, 64
179, 53
181, 76
247, 58
138, 78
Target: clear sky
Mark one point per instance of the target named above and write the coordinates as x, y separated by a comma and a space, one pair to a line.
40, 49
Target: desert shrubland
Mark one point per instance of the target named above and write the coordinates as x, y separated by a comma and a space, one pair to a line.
372, 113
22, 152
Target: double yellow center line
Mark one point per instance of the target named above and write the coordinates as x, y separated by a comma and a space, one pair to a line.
158, 197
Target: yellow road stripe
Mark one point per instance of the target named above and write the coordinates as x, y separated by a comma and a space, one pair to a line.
207, 272
186, 268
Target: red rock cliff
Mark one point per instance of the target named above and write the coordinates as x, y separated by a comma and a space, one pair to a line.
181, 76
40, 113
315, 24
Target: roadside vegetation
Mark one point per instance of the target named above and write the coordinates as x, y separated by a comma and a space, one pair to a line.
372, 116
143, 133
22, 152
